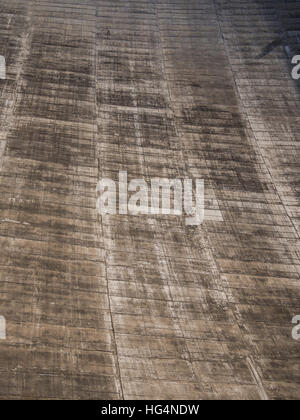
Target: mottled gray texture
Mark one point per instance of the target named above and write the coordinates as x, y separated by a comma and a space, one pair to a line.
145, 307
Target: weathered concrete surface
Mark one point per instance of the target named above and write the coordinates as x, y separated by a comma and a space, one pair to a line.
145, 307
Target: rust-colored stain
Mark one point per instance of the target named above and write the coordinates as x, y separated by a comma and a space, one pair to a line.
145, 307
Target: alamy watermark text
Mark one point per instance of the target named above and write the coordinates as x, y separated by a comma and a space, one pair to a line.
2, 67
163, 196
2, 328
296, 69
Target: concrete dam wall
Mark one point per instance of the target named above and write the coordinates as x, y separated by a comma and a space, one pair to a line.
121, 306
